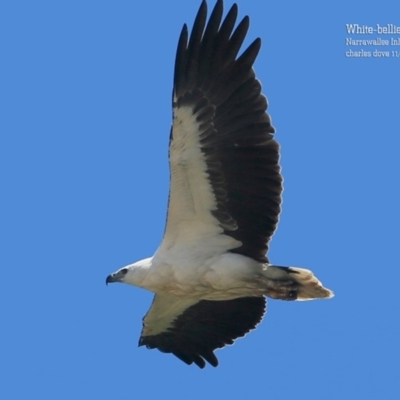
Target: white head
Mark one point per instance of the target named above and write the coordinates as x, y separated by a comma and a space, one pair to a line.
132, 274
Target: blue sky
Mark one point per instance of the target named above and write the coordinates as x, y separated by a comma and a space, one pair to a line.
85, 89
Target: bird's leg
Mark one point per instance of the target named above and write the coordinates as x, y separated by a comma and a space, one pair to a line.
281, 289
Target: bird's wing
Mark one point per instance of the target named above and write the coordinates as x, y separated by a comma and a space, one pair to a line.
224, 161
192, 330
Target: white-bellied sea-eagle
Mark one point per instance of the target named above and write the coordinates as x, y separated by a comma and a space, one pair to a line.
211, 274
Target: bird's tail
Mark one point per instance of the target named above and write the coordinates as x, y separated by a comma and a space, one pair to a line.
290, 283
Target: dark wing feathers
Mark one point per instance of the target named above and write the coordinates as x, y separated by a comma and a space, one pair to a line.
242, 161
206, 326
236, 133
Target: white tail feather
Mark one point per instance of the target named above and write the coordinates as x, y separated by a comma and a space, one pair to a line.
299, 282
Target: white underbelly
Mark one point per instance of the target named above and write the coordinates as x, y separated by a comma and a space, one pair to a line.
216, 277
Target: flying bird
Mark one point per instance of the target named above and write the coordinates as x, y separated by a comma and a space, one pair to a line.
211, 275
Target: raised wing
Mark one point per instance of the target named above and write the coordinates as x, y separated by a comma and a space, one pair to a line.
225, 174
193, 330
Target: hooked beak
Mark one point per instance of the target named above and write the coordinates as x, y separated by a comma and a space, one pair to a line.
117, 276
111, 279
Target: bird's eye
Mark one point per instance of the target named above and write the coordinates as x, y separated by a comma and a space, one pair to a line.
124, 271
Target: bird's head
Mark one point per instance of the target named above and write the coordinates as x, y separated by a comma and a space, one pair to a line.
133, 274
118, 276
